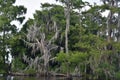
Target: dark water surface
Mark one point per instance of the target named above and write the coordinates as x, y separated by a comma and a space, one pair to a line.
34, 78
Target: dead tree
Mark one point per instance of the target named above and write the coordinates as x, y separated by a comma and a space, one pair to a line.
36, 39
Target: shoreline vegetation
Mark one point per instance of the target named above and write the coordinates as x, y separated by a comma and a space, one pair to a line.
61, 40
49, 74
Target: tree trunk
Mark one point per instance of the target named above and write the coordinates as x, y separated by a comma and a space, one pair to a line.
118, 36
67, 14
4, 52
109, 30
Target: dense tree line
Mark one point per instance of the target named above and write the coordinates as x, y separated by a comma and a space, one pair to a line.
8, 14
62, 39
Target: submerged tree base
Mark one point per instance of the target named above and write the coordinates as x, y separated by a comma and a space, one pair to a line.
43, 74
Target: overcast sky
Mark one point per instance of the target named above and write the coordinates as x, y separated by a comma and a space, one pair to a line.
33, 5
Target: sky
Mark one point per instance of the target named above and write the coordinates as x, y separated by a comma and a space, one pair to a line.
33, 5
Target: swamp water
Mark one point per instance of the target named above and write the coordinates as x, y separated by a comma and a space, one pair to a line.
34, 78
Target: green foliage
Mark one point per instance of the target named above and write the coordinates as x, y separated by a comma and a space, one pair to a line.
117, 76
72, 60
2, 68
30, 71
8, 14
78, 57
90, 52
17, 65
62, 57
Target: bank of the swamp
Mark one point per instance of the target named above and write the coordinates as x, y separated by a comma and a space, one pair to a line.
48, 74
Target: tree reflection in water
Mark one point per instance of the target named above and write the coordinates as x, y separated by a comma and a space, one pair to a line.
34, 78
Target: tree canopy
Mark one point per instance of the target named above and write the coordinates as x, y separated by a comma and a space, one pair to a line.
62, 39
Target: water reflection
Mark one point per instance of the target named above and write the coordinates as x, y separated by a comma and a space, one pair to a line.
9, 77
34, 78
